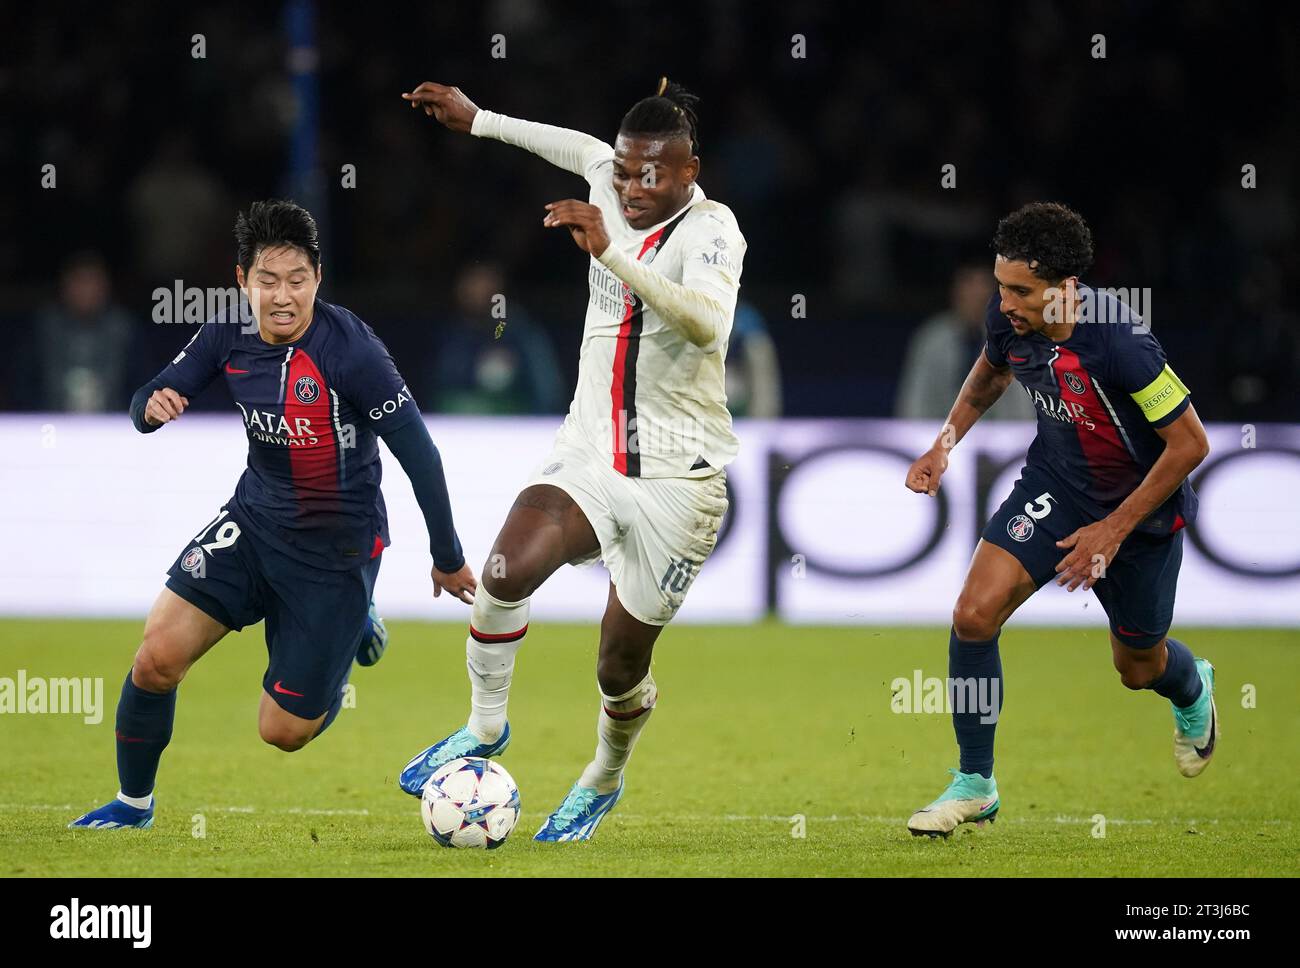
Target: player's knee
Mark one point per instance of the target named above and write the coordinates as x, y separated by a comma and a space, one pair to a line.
974, 621
618, 674
510, 574
284, 736
152, 671
509, 585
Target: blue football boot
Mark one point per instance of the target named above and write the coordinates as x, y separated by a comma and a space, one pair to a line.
461, 743
374, 639
116, 815
579, 815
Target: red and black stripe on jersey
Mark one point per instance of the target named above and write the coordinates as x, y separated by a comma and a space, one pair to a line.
1093, 437
312, 412
627, 460
313, 468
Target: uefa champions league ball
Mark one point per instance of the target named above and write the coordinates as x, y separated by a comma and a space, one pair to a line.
470, 802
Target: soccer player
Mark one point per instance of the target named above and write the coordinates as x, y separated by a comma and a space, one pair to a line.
1101, 502
636, 474
300, 542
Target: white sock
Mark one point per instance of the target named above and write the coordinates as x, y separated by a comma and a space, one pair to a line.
140, 803
619, 724
496, 630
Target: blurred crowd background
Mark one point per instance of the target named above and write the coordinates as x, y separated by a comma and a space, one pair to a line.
865, 278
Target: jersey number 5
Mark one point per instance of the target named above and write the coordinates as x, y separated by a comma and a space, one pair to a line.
1040, 507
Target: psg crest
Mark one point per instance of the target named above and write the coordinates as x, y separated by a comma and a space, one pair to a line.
1020, 528
1073, 382
306, 389
193, 561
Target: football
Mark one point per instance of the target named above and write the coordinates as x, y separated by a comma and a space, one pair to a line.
470, 802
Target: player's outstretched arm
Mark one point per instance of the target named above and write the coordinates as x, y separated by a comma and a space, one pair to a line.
419, 457
984, 384
571, 150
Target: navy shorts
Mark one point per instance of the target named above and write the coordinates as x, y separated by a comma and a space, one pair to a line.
314, 617
1140, 584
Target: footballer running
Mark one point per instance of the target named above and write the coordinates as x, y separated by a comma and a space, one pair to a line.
1101, 502
300, 541
636, 476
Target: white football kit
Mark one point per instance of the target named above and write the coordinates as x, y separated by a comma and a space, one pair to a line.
644, 446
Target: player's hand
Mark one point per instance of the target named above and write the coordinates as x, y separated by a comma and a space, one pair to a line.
923, 476
164, 405
460, 584
581, 219
448, 104
1093, 549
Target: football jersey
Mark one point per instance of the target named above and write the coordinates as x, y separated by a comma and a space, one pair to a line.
1100, 396
648, 401
647, 397
311, 410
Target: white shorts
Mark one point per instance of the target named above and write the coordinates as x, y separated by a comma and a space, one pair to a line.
654, 533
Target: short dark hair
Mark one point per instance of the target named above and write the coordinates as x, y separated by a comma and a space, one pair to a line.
669, 112
1053, 238
271, 224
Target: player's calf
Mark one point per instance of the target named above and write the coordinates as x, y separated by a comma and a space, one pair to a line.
1138, 668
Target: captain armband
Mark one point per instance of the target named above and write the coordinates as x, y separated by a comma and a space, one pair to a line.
1162, 395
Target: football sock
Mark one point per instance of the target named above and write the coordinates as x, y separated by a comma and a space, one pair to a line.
140, 803
618, 725
496, 630
144, 728
981, 662
1181, 683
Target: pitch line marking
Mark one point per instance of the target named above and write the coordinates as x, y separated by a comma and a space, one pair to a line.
689, 818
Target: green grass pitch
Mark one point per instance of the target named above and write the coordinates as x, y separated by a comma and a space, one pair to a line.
755, 726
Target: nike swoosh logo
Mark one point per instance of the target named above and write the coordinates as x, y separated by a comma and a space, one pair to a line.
1123, 631
1209, 747
285, 692
231, 369
1018, 359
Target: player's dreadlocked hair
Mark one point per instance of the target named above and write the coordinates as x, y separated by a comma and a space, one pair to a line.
670, 112
272, 224
1051, 237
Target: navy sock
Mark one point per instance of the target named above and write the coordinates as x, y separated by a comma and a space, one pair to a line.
1181, 683
980, 662
144, 728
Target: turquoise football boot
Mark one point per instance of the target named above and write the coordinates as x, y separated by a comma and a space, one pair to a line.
1196, 727
970, 798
